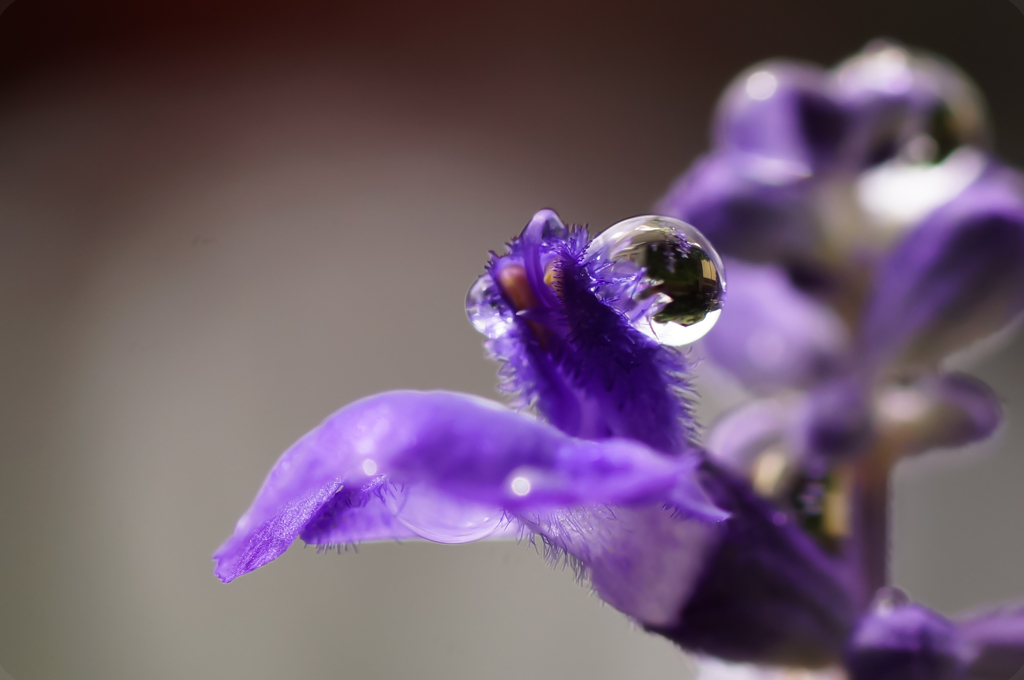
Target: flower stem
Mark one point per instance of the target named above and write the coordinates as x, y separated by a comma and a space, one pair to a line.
873, 518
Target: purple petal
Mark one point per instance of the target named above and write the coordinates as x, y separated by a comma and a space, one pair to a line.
839, 418
994, 642
771, 335
768, 593
896, 97
446, 451
938, 411
784, 110
751, 207
631, 385
565, 350
355, 515
956, 278
644, 561
903, 641
836, 419
517, 311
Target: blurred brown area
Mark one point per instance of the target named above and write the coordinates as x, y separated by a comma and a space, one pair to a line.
220, 221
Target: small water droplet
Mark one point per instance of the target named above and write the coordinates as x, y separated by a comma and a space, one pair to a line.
438, 517
670, 282
485, 308
888, 599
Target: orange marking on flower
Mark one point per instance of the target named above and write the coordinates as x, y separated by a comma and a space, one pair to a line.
553, 277
516, 284
513, 280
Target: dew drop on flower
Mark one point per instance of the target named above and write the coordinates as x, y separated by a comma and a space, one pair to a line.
484, 308
671, 282
438, 517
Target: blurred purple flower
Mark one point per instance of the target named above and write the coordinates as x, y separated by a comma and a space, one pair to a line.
869, 233
608, 478
769, 549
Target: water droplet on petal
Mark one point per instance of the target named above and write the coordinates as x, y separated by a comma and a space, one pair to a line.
670, 280
438, 517
485, 308
889, 599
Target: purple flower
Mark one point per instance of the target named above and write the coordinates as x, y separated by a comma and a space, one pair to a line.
768, 548
865, 223
607, 476
899, 640
869, 233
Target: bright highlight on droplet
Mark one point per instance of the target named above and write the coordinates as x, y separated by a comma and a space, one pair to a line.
761, 85
369, 467
520, 486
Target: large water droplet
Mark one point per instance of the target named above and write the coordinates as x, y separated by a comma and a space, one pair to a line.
438, 517
671, 281
485, 308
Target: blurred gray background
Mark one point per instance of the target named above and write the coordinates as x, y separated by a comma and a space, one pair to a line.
220, 221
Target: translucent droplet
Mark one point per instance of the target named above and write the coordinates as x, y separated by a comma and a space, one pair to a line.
671, 282
889, 599
485, 308
438, 517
